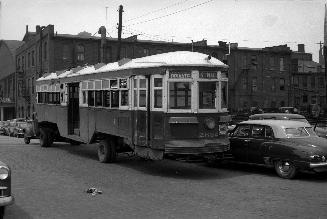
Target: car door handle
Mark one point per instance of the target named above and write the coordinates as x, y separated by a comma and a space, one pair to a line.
246, 140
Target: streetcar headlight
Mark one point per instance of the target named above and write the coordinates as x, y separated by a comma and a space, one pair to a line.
210, 123
4, 172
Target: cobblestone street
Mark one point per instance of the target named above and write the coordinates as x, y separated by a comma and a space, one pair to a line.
51, 183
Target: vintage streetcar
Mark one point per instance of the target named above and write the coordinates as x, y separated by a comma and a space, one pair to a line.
171, 104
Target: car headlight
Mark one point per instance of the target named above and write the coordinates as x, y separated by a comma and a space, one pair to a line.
320, 158
210, 123
4, 173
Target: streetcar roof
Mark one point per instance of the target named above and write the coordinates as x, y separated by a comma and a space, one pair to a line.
170, 59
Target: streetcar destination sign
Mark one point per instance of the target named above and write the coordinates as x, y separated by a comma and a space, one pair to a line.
180, 74
208, 74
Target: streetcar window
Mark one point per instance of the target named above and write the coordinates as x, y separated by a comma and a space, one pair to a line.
142, 83
124, 98
157, 82
105, 84
123, 83
114, 98
84, 94
97, 85
207, 95
142, 100
90, 85
113, 84
157, 98
180, 95
157, 90
98, 98
106, 98
91, 97
224, 94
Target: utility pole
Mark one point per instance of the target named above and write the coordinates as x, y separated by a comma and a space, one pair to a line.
120, 25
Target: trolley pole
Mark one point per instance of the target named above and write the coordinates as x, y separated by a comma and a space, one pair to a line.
120, 25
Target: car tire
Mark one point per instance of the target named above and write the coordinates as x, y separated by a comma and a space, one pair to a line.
27, 140
285, 169
45, 137
107, 151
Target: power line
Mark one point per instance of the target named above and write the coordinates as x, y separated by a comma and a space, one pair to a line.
176, 12
161, 9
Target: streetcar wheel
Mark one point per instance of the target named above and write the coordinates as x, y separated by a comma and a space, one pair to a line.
107, 151
45, 138
285, 169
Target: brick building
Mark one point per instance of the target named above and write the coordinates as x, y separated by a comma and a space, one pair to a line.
259, 77
46, 51
308, 81
8, 78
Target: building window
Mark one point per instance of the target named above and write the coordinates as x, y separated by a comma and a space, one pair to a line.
313, 99
254, 62
254, 84
304, 81
23, 63
244, 61
281, 84
29, 59
244, 83
271, 62
18, 64
321, 82
80, 53
45, 51
281, 64
296, 81
304, 98
313, 81
66, 54
33, 58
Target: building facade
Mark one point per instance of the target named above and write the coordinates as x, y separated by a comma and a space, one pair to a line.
8, 78
259, 77
308, 81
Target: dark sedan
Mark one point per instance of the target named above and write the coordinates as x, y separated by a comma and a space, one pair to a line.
5, 188
288, 146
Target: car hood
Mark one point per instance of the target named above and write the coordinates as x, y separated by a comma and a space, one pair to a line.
313, 142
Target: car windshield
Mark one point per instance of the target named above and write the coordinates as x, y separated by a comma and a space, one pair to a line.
299, 132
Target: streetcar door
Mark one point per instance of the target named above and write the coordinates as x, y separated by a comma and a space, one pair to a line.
141, 111
73, 109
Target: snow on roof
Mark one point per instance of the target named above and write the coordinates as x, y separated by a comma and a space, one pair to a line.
179, 58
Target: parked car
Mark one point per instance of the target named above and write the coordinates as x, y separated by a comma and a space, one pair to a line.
288, 146
6, 127
2, 125
19, 129
6, 198
321, 132
13, 124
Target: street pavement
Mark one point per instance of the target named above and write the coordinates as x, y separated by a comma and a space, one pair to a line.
51, 183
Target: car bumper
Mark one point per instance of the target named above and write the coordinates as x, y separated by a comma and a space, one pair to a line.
319, 167
4, 201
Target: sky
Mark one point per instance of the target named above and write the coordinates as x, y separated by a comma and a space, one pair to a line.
250, 23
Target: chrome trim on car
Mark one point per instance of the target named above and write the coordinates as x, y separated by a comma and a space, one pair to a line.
315, 165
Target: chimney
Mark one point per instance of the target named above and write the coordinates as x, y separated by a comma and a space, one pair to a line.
300, 48
26, 28
103, 32
38, 29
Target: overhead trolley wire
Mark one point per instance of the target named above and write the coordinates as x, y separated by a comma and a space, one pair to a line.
173, 13
161, 9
